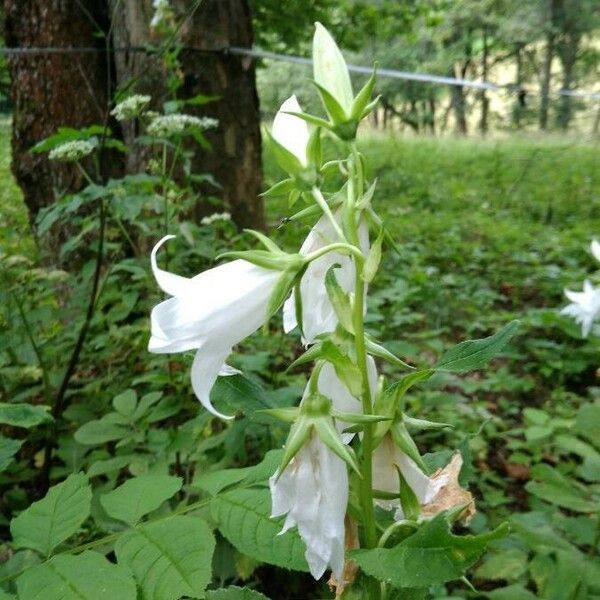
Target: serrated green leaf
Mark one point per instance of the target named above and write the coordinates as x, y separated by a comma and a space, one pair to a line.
235, 593
54, 518
23, 414
88, 576
139, 496
473, 354
243, 516
431, 555
169, 558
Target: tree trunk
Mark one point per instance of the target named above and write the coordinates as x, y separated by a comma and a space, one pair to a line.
458, 103
235, 160
485, 101
52, 90
567, 52
546, 80
519, 105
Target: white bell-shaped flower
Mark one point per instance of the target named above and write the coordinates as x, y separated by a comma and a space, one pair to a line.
387, 460
584, 307
318, 315
210, 312
330, 385
313, 492
291, 131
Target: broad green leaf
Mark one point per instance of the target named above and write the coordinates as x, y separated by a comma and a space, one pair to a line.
8, 448
431, 555
553, 487
139, 496
6, 596
235, 593
535, 528
169, 558
110, 465
240, 393
23, 414
473, 354
125, 403
503, 564
87, 576
54, 518
217, 481
588, 423
244, 517
101, 431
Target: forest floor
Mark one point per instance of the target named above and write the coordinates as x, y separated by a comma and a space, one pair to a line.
488, 231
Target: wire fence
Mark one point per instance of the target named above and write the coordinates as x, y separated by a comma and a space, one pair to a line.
257, 53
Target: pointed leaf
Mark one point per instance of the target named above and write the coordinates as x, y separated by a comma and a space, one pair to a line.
373, 259
264, 240
297, 437
87, 576
473, 354
332, 107
430, 556
282, 188
54, 518
169, 558
312, 119
408, 500
23, 414
405, 442
138, 496
243, 516
380, 351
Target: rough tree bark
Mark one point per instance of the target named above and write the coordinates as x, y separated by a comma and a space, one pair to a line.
235, 160
52, 90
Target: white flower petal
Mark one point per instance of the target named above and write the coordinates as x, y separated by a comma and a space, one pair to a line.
318, 315
595, 247
290, 131
313, 491
210, 312
584, 307
207, 363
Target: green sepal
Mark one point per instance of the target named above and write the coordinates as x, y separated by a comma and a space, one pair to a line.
285, 159
373, 259
297, 437
369, 107
378, 350
361, 100
264, 240
381, 495
329, 435
293, 197
387, 236
314, 149
281, 188
313, 353
275, 261
403, 440
312, 119
358, 418
281, 290
339, 299
408, 500
365, 200
424, 425
345, 369
310, 211
287, 414
333, 108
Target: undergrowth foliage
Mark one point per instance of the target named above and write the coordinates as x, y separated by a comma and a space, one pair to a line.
158, 498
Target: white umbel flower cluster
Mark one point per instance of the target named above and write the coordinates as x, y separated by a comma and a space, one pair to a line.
167, 125
72, 151
162, 13
131, 107
585, 305
210, 219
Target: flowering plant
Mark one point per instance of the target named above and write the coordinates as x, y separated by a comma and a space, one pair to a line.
351, 489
